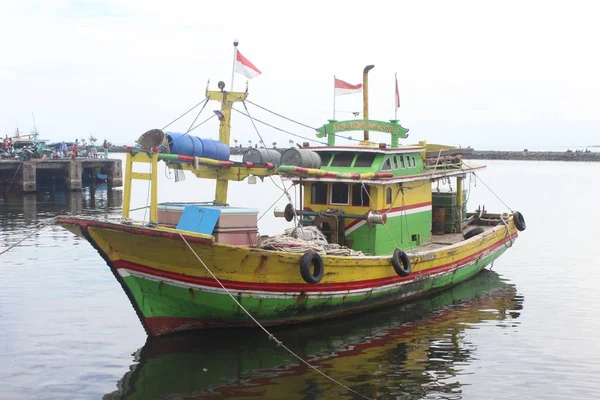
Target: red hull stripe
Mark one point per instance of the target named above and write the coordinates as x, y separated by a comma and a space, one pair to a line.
295, 287
386, 211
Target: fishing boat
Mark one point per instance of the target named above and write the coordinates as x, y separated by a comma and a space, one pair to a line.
415, 336
369, 229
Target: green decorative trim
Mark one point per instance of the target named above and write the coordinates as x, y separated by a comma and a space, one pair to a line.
393, 128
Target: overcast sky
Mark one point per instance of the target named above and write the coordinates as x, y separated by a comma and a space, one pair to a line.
486, 74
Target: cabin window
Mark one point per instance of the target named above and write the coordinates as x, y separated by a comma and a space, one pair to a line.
414, 163
387, 165
340, 193
402, 164
318, 193
342, 159
360, 195
364, 160
395, 162
325, 158
388, 195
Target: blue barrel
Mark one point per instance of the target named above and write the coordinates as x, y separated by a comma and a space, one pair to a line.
187, 145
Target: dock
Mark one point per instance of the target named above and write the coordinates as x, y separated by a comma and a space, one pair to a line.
25, 175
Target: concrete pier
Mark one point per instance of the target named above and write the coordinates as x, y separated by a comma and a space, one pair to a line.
26, 175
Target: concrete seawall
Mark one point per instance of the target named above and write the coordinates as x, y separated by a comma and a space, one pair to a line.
533, 155
480, 154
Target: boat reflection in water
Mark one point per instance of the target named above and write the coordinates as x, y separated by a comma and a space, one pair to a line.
408, 351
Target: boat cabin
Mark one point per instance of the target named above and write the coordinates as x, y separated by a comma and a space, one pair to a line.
406, 204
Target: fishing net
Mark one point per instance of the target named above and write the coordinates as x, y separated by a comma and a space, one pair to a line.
154, 138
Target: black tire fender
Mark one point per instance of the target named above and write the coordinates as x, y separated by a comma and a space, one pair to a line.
401, 263
311, 258
473, 232
519, 221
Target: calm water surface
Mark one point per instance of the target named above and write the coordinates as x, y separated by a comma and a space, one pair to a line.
527, 329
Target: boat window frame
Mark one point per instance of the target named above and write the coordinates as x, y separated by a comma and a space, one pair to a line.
313, 195
388, 195
414, 162
331, 194
361, 187
395, 162
343, 154
402, 163
372, 156
325, 153
387, 159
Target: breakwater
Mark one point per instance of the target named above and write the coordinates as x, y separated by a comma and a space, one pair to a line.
534, 155
471, 154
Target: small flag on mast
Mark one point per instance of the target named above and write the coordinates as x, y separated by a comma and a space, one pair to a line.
245, 67
397, 94
342, 88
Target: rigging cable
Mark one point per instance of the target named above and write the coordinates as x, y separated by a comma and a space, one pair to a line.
300, 123
490, 189
183, 115
271, 336
279, 129
274, 163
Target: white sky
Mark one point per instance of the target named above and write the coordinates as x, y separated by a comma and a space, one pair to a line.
485, 74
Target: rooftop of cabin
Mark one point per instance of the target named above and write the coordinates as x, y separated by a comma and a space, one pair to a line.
399, 160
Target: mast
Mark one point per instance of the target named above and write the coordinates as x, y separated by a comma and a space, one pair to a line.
226, 99
366, 97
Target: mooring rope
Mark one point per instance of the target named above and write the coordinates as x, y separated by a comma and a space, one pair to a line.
271, 336
371, 202
39, 228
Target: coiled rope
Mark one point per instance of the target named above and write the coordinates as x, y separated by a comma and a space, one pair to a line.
269, 334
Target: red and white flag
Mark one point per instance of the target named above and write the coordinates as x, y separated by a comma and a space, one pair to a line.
245, 67
342, 87
397, 95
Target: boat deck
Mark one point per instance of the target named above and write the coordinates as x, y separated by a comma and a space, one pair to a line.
447, 239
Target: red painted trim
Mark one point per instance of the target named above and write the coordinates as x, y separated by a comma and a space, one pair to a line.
295, 287
84, 224
369, 149
385, 211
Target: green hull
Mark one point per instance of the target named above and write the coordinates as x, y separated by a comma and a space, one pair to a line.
168, 305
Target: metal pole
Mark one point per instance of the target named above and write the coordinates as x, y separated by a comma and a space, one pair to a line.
235, 44
366, 97
396, 96
334, 97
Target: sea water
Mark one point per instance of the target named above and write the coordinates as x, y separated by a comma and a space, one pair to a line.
526, 329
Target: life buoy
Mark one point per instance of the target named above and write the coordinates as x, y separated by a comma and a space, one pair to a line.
519, 221
401, 263
314, 260
473, 232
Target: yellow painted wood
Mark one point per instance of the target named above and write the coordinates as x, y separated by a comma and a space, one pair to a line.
262, 266
146, 176
154, 189
227, 99
186, 233
127, 190
228, 173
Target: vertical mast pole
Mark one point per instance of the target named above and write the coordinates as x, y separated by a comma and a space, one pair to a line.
366, 97
396, 96
235, 44
334, 97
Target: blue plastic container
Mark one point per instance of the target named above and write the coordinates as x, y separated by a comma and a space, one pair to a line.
187, 145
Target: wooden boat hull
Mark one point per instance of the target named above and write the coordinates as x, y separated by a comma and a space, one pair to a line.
171, 291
